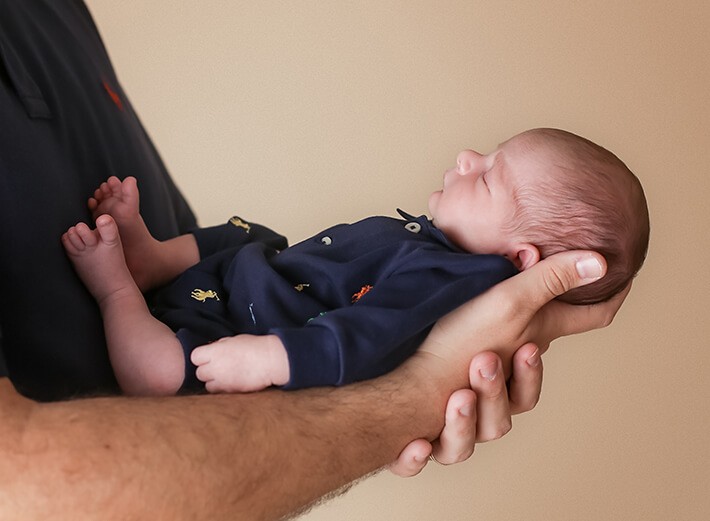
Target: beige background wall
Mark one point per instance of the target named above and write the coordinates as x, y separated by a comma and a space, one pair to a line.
303, 113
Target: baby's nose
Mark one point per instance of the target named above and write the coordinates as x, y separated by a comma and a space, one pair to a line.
467, 161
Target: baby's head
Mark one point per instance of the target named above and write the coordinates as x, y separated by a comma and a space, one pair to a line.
542, 192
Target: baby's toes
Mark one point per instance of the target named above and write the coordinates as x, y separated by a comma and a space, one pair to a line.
114, 185
71, 241
104, 191
86, 235
107, 229
99, 195
75, 238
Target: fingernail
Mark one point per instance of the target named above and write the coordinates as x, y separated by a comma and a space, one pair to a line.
589, 268
489, 371
466, 410
534, 360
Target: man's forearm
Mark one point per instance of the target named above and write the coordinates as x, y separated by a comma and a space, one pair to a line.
256, 456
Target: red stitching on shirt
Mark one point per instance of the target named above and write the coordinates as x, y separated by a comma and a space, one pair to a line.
112, 94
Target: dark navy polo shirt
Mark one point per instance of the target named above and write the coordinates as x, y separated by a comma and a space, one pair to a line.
65, 126
350, 303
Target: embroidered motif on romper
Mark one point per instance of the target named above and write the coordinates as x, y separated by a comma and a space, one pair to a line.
202, 295
236, 221
363, 290
301, 287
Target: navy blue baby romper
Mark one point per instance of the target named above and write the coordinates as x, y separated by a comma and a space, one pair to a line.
350, 303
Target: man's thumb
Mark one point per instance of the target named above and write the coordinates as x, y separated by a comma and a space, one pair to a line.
562, 272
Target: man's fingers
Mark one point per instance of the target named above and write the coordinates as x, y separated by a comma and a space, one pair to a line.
455, 444
412, 459
457, 440
603, 313
565, 319
488, 382
526, 382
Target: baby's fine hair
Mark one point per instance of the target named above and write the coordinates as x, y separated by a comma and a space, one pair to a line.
598, 204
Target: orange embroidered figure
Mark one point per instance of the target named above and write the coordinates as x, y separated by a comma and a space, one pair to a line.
363, 290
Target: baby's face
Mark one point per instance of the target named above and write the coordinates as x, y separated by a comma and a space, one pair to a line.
477, 199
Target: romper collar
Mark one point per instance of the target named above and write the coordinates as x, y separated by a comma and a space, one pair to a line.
431, 230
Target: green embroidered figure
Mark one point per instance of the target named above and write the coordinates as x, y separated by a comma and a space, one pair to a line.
322, 313
236, 221
202, 295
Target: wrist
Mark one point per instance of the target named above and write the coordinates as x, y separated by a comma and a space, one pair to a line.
280, 371
428, 381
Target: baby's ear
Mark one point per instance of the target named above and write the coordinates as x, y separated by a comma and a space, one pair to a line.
524, 256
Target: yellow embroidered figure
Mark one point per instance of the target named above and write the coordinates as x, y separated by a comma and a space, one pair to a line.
357, 296
236, 221
301, 287
202, 295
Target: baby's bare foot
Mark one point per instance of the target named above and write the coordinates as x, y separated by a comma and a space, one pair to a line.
98, 258
121, 200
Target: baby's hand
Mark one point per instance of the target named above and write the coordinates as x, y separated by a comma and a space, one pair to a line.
242, 363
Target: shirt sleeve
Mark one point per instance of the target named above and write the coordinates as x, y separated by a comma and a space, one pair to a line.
389, 322
3, 366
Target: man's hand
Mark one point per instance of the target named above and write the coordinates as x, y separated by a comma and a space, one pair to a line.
481, 413
518, 311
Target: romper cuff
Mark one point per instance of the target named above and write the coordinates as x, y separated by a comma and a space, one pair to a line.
312, 360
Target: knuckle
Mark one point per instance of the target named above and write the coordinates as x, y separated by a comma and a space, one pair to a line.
557, 282
526, 405
501, 430
601, 318
607, 319
465, 454
456, 457
496, 393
